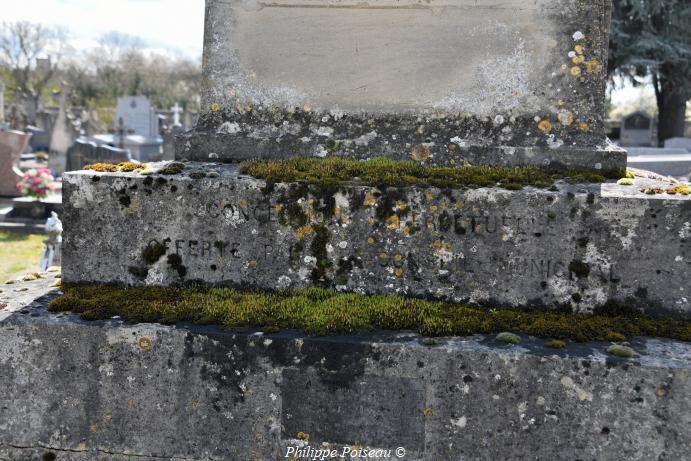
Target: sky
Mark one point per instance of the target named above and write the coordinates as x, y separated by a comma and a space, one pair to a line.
176, 26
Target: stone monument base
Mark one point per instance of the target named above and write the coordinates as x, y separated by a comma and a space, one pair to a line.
109, 390
574, 246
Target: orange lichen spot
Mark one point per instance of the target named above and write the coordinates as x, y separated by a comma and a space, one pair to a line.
545, 126
427, 411
575, 71
303, 436
592, 66
683, 189
398, 258
145, 344
303, 231
102, 167
578, 59
406, 230
383, 257
579, 49
393, 222
215, 107
583, 126
420, 152
565, 117
399, 272
370, 199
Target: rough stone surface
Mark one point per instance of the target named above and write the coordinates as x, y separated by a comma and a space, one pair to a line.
492, 82
578, 246
114, 391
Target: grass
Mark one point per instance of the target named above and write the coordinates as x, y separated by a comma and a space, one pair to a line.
322, 311
20, 253
338, 170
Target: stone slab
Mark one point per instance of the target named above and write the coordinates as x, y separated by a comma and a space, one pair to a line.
578, 246
488, 81
111, 390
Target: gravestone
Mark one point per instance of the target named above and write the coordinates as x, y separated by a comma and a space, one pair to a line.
81, 153
12, 145
61, 138
637, 130
500, 82
140, 122
681, 143
137, 115
521, 85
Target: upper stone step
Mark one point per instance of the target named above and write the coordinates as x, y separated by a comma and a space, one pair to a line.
502, 82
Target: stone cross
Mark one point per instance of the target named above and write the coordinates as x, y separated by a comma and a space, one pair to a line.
499, 82
177, 110
121, 132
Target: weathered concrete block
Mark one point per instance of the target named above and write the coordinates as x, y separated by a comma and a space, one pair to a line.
580, 245
114, 391
492, 82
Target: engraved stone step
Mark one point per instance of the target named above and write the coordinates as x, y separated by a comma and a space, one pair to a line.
580, 245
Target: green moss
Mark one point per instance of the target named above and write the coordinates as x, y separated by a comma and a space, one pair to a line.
172, 168
380, 171
579, 268
509, 338
153, 252
615, 337
556, 344
318, 248
197, 175
139, 272
620, 351
322, 311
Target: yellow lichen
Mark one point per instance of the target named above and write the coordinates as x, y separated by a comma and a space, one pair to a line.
420, 152
370, 199
578, 59
215, 107
102, 167
545, 126
565, 117
144, 343
393, 222
579, 49
592, 66
575, 71
302, 231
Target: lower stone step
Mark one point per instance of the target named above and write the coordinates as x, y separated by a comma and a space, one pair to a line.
574, 245
108, 390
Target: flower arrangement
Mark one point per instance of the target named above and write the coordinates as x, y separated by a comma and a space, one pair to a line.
37, 183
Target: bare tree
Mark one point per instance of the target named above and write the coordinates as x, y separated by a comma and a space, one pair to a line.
31, 54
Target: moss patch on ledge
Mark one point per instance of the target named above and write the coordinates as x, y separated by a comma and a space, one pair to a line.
321, 311
339, 170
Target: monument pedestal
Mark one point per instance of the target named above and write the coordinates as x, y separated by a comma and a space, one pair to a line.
110, 390
571, 245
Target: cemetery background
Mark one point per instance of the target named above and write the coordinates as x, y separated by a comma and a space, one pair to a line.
413, 432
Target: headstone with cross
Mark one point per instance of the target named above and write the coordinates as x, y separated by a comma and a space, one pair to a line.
177, 110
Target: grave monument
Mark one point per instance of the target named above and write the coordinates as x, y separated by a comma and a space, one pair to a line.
528, 91
450, 149
12, 145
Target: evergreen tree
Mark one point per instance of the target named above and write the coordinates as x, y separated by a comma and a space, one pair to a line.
653, 38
